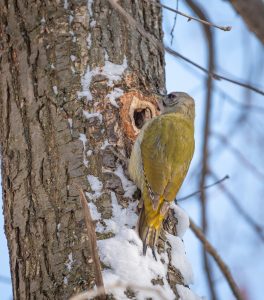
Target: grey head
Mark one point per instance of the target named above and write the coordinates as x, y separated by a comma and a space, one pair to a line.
178, 102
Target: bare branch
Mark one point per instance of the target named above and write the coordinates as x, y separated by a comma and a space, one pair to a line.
204, 188
174, 22
221, 264
92, 239
224, 28
205, 143
158, 44
239, 155
98, 292
214, 75
258, 229
235, 103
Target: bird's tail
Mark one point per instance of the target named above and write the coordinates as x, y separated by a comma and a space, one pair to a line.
148, 234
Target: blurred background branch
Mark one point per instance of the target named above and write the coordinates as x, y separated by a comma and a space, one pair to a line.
209, 39
252, 12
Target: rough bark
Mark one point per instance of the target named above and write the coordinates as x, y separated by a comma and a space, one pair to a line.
252, 12
46, 49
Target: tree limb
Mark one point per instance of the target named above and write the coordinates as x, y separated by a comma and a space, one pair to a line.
204, 188
206, 134
221, 264
205, 22
238, 154
258, 229
92, 239
214, 75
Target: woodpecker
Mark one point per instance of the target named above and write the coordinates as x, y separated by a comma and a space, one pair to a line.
160, 160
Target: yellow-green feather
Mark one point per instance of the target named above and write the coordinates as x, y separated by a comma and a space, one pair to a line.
166, 149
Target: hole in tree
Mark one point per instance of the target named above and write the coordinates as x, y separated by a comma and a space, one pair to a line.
141, 116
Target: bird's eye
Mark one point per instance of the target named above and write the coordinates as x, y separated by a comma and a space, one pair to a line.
170, 96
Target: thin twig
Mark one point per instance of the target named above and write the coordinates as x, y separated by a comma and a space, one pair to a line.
221, 264
156, 43
224, 28
235, 103
214, 75
205, 144
239, 155
258, 229
174, 22
204, 188
95, 293
92, 239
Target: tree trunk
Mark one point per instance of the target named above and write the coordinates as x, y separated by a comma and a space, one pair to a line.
76, 85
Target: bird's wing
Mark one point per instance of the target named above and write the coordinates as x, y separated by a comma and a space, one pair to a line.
167, 149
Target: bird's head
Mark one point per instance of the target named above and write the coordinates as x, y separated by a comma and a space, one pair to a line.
178, 102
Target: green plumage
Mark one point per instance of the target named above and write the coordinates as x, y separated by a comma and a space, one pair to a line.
159, 162
167, 149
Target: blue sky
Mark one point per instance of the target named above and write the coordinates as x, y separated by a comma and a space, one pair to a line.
239, 55
5, 285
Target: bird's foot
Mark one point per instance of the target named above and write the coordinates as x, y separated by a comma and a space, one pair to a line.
145, 247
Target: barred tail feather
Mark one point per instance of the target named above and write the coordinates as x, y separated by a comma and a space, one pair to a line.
148, 234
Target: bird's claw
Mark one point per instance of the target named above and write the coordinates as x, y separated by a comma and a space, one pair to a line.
145, 247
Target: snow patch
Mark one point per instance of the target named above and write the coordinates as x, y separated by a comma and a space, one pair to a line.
71, 17
66, 4
55, 90
123, 255
89, 115
93, 24
183, 220
89, 152
94, 212
105, 144
96, 186
95, 183
73, 57
73, 70
58, 230
116, 93
89, 5
89, 41
186, 294
128, 186
112, 71
70, 124
83, 138
179, 259
69, 262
